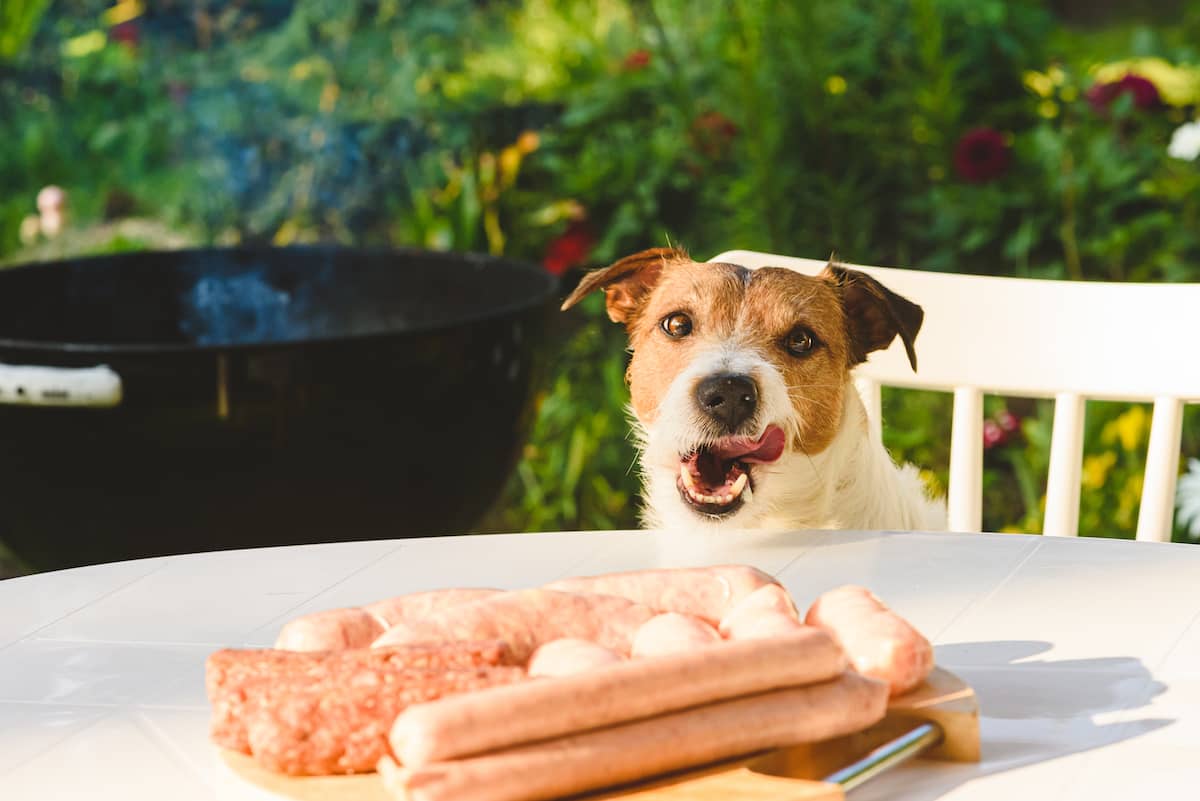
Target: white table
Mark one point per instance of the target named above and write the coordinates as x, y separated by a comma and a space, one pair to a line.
1085, 653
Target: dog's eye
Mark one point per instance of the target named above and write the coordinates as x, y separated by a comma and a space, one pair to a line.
800, 342
676, 325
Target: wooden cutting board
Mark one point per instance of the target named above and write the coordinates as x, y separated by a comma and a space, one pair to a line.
783, 774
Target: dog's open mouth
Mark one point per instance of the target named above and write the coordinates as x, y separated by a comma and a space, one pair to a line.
713, 479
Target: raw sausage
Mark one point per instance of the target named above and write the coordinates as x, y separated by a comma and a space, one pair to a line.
330, 630
644, 748
358, 627
768, 601
229, 667
321, 729
238, 680
705, 592
567, 656
880, 643
765, 624
671, 633
526, 619
417, 605
545, 708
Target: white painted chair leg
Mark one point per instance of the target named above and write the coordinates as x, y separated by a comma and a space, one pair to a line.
1162, 471
872, 399
965, 501
1066, 465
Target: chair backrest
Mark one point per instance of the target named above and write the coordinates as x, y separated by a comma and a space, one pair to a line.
1067, 340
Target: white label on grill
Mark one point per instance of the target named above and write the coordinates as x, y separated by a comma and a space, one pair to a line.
24, 385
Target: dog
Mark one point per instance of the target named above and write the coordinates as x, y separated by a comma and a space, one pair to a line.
742, 397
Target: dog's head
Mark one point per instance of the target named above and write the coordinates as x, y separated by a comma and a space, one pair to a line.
736, 372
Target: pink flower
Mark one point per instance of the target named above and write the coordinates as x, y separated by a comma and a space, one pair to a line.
993, 434
981, 155
1008, 422
569, 249
1103, 95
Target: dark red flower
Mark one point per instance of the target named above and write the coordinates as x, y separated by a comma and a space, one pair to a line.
126, 33
569, 249
981, 155
712, 132
637, 60
993, 434
1103, 95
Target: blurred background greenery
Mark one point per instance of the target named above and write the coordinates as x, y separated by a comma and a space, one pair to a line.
1000, 137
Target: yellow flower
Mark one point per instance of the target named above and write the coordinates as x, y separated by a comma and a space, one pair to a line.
1095, 469
84, 44
123, 11
1039, 83
835, 85
932, 485
510, 164
1129, 500
1048, 109
1129, 429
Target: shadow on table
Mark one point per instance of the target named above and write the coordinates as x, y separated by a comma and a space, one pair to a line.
1032, 711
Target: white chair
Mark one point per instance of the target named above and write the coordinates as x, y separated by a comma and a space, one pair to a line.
1067, 340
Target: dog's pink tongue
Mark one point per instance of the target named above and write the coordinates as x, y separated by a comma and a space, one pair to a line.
766, 448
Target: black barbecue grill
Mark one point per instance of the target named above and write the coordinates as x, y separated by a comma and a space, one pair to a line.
165, 402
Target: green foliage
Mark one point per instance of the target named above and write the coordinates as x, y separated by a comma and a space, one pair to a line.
794, 127
578, 468
18, 21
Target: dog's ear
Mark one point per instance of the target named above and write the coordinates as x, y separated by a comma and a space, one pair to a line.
627, 282
874, 313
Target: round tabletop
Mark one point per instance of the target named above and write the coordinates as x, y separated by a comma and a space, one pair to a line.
1084, 653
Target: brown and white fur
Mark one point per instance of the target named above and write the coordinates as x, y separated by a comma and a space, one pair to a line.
730, 361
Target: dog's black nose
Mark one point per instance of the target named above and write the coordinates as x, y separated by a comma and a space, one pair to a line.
728, 399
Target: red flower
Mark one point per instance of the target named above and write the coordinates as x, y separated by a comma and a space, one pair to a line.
993, 434
637, 60
1103, 95
127, 33
569, 249
712, 132
981, 155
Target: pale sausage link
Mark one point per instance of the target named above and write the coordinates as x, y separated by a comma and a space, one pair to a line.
536, 710
645, 748
526, 619
358, 627
704, 592
879, 642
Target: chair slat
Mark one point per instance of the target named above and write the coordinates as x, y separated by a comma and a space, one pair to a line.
1162, 470
872, 398
1066, 465
965, 503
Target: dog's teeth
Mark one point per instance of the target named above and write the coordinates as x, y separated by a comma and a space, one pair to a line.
686, 475
739, 485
